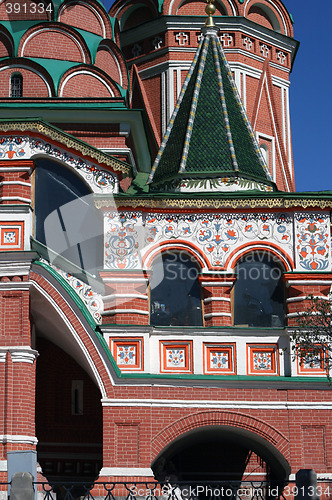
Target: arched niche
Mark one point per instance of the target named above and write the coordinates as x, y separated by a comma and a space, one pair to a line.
262, 14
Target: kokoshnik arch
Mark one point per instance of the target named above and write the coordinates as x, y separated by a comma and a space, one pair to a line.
154, 254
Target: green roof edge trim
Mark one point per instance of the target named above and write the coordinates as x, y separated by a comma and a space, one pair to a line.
108, 353
241, 378
78, 301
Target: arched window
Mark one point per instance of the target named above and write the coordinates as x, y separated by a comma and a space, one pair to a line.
16, 85
259, 292
265, 153
66, 220
175, 292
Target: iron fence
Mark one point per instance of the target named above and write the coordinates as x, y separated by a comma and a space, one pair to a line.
188, 490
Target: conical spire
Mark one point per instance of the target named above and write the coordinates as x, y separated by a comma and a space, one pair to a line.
209, 144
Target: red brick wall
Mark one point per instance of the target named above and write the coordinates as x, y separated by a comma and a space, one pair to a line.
33, 84
56, 44
83, 17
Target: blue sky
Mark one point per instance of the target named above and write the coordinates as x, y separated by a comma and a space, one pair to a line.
310, 94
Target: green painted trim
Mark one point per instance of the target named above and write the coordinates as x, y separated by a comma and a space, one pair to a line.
108, 353
223, 378
204, 328
57, 103
78, 301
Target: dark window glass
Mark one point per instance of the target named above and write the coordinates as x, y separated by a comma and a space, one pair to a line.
175, 292
66, 220
259, 292
16, 85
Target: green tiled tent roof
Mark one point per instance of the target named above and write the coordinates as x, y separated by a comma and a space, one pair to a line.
209, 134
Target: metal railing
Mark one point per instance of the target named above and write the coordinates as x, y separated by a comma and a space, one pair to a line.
188, 490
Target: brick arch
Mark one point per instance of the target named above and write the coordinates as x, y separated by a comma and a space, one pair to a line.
272, 11
36, 80
74, 334
196, 7
6, 43
259, 429
59, 41
110, 59
256, 247
87, 16
87, 81
125, 9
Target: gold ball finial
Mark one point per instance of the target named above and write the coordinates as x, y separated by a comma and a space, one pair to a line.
210, 8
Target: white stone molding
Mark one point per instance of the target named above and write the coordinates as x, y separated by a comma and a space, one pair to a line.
126, 471
217, 315
291, 282
124, 311
216, 299
224, 404
125, 296
17, 438
19, 354
217, 283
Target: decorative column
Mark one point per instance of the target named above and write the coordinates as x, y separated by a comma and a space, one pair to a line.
299, 286
217, 298
126, 300
17, 358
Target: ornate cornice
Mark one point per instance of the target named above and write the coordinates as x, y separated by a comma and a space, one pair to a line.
218, 203
66, 140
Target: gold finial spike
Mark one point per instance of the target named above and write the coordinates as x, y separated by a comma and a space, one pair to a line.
210, 10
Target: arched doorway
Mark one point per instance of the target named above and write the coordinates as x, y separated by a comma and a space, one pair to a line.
68, 417
220, 453
69, 389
